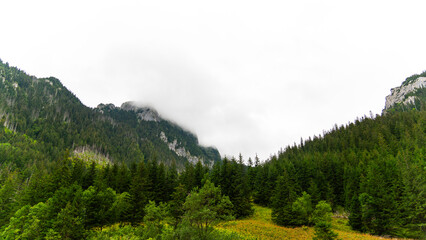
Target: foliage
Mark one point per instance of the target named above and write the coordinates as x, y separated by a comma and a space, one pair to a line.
374, 168
154, 219
260, 226
302, 208
116, 232
47, 111
52, 184
322, 219
232, 177
323, 231
205, 207
68, 224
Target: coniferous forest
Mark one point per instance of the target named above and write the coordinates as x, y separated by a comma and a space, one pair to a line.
372, 171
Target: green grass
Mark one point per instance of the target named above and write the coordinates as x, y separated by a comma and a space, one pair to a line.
260, 226
262, 213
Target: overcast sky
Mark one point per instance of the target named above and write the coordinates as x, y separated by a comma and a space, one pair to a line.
244, 76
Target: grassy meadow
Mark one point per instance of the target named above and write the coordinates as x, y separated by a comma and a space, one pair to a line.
260, 226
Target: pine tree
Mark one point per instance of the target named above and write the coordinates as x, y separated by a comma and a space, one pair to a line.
198, 174
171, 181
161, 188
68, 224
152, 183
121, 208
89, 176
242, 196
302, 209
123, 179
355, 217
139, 193
176, 204
284, 196
261, 192
322, 219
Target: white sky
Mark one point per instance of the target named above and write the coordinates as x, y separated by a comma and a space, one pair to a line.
245, 76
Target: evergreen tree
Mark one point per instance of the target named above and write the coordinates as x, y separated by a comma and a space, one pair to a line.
69, 225
322, 219
89, 176
123, 179
121, 208
171, 181
139, 193
176, 204
284, 196
161, 188
242, 196
355, 217
302, 209
205, 207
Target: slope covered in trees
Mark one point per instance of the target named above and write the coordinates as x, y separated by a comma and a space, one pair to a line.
45, 110
69, 197
372, 170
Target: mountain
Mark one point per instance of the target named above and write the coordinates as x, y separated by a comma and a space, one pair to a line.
411, 94
373, 169
150, 126
46, 111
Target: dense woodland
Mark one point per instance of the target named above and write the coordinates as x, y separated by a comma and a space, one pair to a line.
47, 111
372, 170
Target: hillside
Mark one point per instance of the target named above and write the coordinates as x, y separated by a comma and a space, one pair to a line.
47, 111
71, 172
374, 168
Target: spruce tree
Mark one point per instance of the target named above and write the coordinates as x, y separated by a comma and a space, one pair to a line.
355, 217
322, 219
284, 196
139, 193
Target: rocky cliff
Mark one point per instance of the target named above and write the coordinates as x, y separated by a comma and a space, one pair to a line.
407, 93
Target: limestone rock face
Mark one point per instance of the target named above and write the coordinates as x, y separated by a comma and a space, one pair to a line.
180, 151
144, 113
399, 94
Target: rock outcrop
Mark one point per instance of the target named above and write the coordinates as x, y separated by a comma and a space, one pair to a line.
179, 150
144, 113
403, 94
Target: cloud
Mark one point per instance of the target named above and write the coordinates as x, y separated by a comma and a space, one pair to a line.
244, 76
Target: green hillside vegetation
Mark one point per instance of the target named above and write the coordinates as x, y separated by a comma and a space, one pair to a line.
413, 78
261, 226
71, 172
374, 168
46, 111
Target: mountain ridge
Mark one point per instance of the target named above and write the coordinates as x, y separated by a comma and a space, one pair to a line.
44, 109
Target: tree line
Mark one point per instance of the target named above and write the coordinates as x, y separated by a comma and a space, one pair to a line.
373, 170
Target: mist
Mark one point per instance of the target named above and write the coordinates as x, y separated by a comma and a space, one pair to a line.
244, 77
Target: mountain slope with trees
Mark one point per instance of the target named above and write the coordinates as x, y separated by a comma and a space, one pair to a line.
67, 171
374, 168
47, 111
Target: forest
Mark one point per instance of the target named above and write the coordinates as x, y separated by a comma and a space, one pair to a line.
47, 111
372, 171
